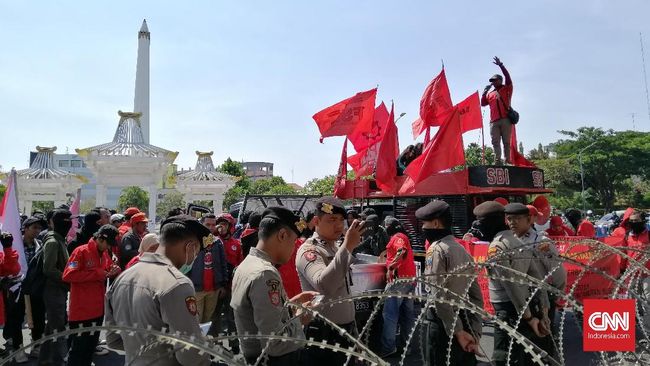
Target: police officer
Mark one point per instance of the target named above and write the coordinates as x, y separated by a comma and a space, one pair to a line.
323, 265
258, 297
521, 222
509, 298
156, 293
446, 256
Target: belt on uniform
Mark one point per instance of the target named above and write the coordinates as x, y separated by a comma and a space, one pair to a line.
324, 330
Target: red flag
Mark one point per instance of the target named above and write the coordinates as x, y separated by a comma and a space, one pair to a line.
344, 117
516, 158
339, 184
444, 152
434, 103
427, 137
387, 160
362, 137
470, 113
364, 162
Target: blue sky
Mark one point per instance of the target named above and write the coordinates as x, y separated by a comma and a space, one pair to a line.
244, 78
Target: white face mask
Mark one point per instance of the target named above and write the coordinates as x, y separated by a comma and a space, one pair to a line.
187, 267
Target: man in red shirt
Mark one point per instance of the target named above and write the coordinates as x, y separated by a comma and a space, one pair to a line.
558, 228
499, 102
581, 225
88, 268
399, 265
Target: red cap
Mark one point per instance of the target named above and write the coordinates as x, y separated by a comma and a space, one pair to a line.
139, 217
501, 200
556, 220
131, 211
532, 210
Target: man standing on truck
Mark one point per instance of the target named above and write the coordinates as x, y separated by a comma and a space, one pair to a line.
499, 102
323, 265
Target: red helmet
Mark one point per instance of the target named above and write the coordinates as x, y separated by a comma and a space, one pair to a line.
231, 220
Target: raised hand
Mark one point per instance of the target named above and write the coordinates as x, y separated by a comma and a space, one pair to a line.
497, 61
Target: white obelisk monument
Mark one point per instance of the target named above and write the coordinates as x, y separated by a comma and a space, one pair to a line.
141, 99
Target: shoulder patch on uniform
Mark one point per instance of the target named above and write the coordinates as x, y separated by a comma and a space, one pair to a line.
274, 292
491, 251
73, 264
310, 255
190, 303
544, 247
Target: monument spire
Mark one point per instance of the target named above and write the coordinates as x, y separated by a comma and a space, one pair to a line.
141, 99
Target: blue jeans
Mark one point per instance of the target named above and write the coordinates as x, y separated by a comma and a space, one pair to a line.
397, 310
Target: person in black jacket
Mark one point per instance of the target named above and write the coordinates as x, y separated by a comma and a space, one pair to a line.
91, 225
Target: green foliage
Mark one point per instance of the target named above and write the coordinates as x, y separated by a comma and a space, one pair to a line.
614, 157
87, 205
231, 167
324, 186
538, 154
43, 206
133, 197
474, 155
3, 189
274, 185
170, 201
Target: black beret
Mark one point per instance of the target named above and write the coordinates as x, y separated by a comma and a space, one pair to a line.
330, 205
432, 210
192, 225
34, 220
516, 208
109, 233
372, 219
287, 217
488, 208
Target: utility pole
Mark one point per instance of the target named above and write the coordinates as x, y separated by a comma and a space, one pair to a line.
645, 75
582, 176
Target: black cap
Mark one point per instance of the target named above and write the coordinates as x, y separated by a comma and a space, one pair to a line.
34, 220
330, 205
109, 233
488, 208
287, 217
432, 210
202, 233
372, 220
61, 214
495, 77
516, 208
390, 221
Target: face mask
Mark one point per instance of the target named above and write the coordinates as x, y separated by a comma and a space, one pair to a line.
637, 227
433, 235
187, 267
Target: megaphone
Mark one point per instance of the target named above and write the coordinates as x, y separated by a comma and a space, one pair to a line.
544, 208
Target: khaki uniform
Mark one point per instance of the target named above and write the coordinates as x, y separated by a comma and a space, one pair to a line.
153, 293
525, 262
258, 300
325, 268
447, 256
548, 256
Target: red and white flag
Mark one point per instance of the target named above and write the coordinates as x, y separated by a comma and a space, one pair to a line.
10, 220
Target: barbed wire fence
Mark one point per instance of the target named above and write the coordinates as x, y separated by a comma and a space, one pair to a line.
627, 285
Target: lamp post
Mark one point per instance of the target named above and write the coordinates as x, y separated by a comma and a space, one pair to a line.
582, 175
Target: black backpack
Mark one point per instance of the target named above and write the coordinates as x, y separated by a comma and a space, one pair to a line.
34, 282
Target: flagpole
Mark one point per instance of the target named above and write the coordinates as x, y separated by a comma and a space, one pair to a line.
483, 136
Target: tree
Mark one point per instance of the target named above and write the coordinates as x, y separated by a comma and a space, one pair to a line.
133, 197
474, 155
231, 167
538, 154
521, 147
43, 206
3, 189
324, 186
273, 185
171, 200
608, 158
87, 205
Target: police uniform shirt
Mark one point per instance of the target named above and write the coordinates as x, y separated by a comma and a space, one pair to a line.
549, 257
153, 293
447, 256
325, 268
258, 300
525, 262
